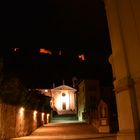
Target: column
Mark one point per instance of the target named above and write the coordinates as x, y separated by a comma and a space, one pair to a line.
124, 27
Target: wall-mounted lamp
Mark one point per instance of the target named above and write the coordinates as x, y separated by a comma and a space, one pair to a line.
35, 114
21, 111
42, 116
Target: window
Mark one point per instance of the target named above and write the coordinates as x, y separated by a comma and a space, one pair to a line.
63, 94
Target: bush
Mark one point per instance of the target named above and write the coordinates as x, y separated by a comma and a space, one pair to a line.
13, 92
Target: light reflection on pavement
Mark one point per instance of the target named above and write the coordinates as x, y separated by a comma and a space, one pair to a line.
68, 131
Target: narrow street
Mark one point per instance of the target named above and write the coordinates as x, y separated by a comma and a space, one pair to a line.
68, 131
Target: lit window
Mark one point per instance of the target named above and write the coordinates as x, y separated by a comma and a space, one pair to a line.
63, 94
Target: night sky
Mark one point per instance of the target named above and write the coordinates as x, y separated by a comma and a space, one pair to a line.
72, 27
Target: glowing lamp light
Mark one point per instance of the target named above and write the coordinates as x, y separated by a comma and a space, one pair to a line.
51, 103
46, 90
21, 111
42, 116
48, 115
35, 114
16, 49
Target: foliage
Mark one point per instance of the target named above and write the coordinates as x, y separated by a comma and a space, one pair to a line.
37, 101
13, 92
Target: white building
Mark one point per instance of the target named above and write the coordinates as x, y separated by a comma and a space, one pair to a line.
63, 99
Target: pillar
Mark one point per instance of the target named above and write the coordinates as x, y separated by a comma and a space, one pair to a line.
124, 27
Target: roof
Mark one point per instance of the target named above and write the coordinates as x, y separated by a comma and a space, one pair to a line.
64, 87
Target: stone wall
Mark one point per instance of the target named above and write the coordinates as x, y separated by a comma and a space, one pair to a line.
16, 121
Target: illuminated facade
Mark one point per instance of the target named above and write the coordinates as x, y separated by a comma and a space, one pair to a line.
64, 100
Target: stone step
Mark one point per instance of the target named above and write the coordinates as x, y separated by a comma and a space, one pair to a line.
64, 118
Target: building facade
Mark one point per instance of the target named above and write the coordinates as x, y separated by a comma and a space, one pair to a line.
63, 99
88, 96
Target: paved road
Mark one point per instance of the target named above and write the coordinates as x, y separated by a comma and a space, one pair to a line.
67, 131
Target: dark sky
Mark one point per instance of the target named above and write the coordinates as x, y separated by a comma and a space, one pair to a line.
74, 27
